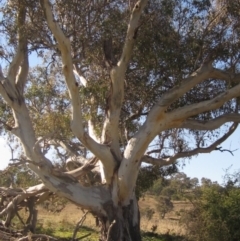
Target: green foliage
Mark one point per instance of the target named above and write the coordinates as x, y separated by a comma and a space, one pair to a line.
150, 175
157, 187
149, 236
175, 186
148, 213
18, 177
65, 230
164, 205
215, 216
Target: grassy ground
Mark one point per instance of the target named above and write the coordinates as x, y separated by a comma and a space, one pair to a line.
62, 224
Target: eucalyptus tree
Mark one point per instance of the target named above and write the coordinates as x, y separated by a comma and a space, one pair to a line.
118, 84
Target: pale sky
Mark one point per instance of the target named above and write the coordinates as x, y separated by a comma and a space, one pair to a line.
214, 165
5, 154
211, 165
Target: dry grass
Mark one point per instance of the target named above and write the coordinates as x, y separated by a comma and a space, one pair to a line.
71, 214
170, 224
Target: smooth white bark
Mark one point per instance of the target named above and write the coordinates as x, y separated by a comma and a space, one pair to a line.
101, 151
110, 132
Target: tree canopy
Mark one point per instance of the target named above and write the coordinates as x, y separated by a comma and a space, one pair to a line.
117, 84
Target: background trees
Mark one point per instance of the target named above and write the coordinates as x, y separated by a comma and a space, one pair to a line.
215, 212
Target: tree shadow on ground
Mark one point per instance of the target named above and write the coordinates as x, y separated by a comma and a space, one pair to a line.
150, 236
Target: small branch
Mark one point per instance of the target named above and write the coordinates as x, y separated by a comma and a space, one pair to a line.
37, 237
78, 226
201, 74
91, 122
225, 150
20, 218
211, 124
83, 81
174, 158
87, 167
18, 162
110, 230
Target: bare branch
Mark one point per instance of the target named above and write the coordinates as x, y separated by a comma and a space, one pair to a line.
225, 150
89, 166
199, 150
37, 237
157, 121
194, 109
91, 122
210, 124
81, 78
131, 34
203, 73
78, 226
21, 57
224, 75
110, 132
21, 78
101, 151
20, 197
42, 160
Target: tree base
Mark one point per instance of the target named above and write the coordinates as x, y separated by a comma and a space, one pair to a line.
122, 224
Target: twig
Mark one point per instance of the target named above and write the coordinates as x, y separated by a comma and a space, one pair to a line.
84, 236
79, 224
223, 150
20, 218
21, 161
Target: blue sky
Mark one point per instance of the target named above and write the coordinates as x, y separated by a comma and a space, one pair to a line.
214, 165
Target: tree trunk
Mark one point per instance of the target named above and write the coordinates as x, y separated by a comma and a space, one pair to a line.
122, 223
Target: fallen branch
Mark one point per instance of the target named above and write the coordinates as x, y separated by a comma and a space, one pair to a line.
37, 237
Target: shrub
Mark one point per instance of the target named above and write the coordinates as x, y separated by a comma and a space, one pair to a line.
215, 216
164, 205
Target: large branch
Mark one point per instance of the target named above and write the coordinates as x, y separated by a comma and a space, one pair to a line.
211, 124
226, 76
18, 69
170, 160
101, 151
205, 72
18, 196
19, 64
90, 198
158, 121
201, 74
11, 88
181, 114
110, 132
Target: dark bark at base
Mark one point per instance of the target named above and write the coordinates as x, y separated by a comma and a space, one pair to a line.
32, 218
122, 224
